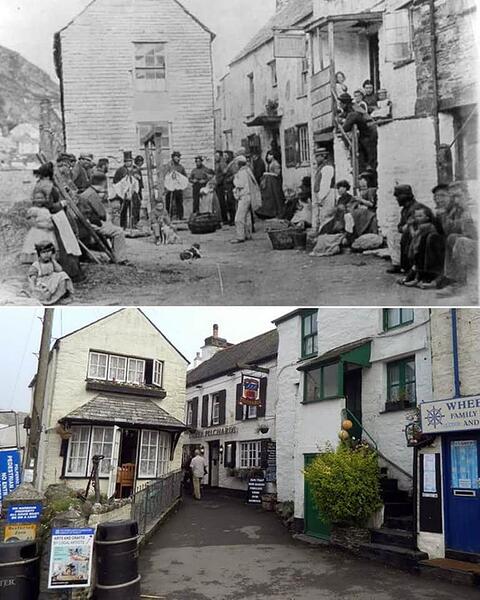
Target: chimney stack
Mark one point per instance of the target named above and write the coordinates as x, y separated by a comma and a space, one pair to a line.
215, 331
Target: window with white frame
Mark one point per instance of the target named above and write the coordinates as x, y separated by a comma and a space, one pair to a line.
163, 453
303, 143
157, 373
250, 412
148, 454
77, 455
117, 368
189, 417
215, 410
150, 67
102, 443
250, 454
136, 371
97, 365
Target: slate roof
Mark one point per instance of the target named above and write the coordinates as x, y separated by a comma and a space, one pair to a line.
122, 409
252, 351
294, 12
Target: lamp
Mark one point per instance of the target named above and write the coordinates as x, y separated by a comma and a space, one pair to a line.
264, 428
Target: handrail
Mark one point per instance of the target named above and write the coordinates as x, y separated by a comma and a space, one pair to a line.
353, 418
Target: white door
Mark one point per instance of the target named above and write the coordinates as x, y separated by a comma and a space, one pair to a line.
112, 478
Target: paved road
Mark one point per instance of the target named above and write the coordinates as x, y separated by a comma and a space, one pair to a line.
221, 549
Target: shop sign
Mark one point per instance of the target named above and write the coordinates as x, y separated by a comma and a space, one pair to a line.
215, 432
9, 472
24, 513
256, 487
71, 558
250, 391
20, 533
459, 414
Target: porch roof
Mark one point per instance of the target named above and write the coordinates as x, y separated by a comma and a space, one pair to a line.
122, 409
357, 353
361, 17
264, 120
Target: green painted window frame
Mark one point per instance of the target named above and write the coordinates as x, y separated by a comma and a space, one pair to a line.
403, 381
321, 396
310, 336
386, 313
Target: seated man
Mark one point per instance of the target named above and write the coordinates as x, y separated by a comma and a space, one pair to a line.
91, 206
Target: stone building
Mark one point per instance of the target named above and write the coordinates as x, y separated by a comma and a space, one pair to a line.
235, 437
449, 456
114, 388
368, 365
127, 66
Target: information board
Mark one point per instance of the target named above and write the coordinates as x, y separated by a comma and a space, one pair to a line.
71, 558
256, 487
24, 513
271, 471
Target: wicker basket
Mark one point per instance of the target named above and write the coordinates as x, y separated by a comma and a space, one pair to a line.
203, 223
300, 240
282, 240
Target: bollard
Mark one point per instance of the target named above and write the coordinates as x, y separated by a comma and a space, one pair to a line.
19, 571
116, 546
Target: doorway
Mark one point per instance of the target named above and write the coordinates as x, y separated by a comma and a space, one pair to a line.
461, 455
127, 463
213, 463
353, 397
373, 52
314, 525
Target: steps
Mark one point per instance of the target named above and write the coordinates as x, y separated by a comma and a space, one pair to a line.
453, 571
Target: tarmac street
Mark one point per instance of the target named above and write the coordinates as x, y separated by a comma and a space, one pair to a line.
221, 549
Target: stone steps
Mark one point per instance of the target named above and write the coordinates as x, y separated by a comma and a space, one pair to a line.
396, 556
393, 537
453, 571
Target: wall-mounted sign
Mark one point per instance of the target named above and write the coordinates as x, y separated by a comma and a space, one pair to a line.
290, 45
10, 462
256, 487
24, 513
214, 432
20, 532
250, 391
459, 414
71, 558
271, 470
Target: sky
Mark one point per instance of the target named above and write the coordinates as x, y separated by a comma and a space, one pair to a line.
27, 26
185, 327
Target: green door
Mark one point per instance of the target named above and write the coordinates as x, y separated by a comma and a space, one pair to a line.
314, 524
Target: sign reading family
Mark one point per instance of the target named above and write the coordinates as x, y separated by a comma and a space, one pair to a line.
250, 391
459, 414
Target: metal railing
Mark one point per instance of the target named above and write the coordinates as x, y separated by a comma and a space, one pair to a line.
151, 501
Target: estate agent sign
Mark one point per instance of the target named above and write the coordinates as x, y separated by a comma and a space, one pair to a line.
459, 414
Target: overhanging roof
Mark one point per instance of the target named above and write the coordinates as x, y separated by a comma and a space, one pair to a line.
122, 409
356, 353
368, 17
264, 120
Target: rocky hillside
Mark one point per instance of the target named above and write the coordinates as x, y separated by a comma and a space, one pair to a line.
22, 86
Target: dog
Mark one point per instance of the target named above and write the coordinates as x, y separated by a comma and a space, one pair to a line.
192, 253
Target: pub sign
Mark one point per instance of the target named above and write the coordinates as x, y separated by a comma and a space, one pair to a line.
250, 391
459, 414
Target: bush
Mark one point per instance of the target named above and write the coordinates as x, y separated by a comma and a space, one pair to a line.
345, 484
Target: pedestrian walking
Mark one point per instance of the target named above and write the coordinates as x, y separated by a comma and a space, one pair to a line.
199, 470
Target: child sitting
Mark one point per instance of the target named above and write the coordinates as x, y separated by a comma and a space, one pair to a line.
384, 110
47, 281
41, 227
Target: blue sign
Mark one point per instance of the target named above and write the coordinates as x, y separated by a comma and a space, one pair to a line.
26, 513
10, 470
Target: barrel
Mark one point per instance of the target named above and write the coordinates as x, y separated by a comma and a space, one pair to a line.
19, 571
116, 546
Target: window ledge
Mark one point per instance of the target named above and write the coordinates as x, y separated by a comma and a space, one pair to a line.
322, 400
125, 388
403, 63
397, 407
302, 96
396, 327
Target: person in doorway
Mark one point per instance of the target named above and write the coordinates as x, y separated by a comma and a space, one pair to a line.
370, 98
258, 165
367, 133
199, 178
126, 188
323, 189
174, 200
199, 470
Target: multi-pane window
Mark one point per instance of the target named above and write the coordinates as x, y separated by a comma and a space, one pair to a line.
398, 35
189, 417
273, 72
215, 410
117, 368
102, 443
401, 381
136, 371
303, 144
303, 79
150, 67
322, 383
148, 454
250, 455
77, 455
157, 373
309, 334
251, 93
97, 366
163, 454
251, 412
395, 317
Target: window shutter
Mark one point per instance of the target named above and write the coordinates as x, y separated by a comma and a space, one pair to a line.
397, 35
205, 411
222, 398
264, 454
149, 372
194, 402
238, 406
263, 397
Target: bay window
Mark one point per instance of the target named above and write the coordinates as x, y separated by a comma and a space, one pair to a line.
163, 453
77, 455
148, 454
102, 443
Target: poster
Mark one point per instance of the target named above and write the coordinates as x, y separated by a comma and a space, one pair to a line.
9, 472
429, 475
250, 391
71, 558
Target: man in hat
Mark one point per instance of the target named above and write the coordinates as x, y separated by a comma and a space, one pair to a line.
367, 132
323, 200
126, 189
247, 194
81, 170
199, 177
65, 170
175, 196
399, 242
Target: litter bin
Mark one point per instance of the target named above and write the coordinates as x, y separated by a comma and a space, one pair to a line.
19, 571
116, 546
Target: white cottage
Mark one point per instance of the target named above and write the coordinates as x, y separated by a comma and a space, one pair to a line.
115, 388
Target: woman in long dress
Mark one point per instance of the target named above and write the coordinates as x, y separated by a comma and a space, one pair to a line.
48, 282
273, 200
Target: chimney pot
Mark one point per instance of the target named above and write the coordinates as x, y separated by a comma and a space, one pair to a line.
215, 331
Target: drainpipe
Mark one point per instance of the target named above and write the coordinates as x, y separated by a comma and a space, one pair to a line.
456, 369
436, 120
415, 497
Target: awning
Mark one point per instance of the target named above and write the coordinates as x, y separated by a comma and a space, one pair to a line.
123, 410
264, 120
355, 353
357, 19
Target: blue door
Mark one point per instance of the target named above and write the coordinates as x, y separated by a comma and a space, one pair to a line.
462, 492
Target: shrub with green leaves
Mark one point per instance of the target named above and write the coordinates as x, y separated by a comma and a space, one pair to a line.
345, 484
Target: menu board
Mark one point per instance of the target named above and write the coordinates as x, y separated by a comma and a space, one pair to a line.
256, 487
271, 470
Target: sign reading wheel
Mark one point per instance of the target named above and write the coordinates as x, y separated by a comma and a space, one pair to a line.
459, 414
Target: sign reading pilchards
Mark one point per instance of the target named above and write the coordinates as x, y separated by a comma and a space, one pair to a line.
10, 469
256, 487
459, 414
71, 558
250, 391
